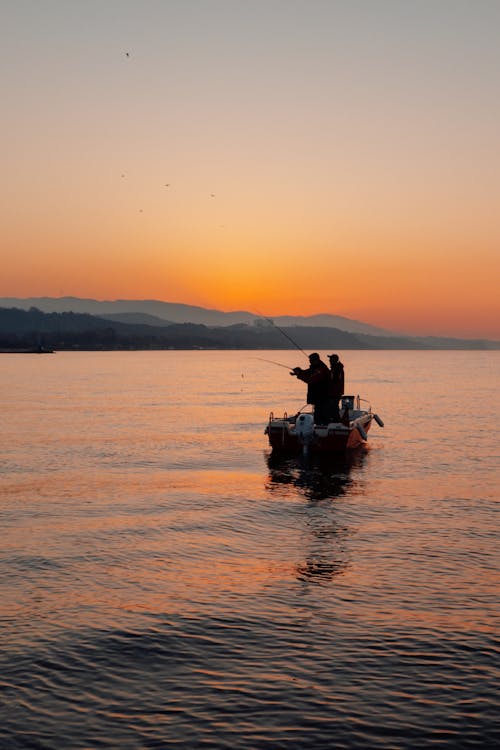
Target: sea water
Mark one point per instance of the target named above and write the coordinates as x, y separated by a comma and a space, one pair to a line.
167, 582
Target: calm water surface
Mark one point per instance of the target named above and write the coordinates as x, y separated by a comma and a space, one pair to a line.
166, 582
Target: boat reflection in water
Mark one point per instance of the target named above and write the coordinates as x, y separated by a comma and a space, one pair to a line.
321, 482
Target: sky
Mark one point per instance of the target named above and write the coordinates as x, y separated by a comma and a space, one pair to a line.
276, 156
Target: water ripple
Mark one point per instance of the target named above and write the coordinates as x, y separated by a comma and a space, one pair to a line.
168, 583
249, 683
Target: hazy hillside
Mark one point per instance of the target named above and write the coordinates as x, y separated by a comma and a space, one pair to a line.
132, 318
170, 312
325, 320
29, 329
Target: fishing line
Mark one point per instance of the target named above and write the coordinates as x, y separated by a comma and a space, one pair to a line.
271, 321
272, 362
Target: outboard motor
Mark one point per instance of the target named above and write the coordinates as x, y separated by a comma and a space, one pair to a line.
304, 427
347, 402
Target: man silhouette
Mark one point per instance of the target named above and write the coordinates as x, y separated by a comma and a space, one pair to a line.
336, 386
317, 377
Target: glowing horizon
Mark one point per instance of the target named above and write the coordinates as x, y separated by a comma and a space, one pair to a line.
257, 157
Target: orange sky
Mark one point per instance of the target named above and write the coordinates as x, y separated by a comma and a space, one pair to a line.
257, 156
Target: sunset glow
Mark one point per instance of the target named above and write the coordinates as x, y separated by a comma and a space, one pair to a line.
283, 158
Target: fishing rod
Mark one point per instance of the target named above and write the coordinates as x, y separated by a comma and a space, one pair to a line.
271, 321
272, 362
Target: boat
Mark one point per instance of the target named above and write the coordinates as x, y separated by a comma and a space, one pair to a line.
299, 434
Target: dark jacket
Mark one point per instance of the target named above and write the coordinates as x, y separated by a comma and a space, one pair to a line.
317, 377
337, 380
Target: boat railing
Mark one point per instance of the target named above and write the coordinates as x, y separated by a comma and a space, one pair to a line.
365, 401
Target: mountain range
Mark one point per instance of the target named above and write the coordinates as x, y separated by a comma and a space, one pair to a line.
157, 313
31, 329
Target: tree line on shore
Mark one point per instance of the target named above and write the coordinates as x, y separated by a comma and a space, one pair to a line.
33, 330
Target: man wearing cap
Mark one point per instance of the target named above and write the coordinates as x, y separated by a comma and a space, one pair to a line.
336, 386
317, 377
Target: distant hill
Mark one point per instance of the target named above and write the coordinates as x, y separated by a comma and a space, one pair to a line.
26, 330
132, 318
325, 320
170, 312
